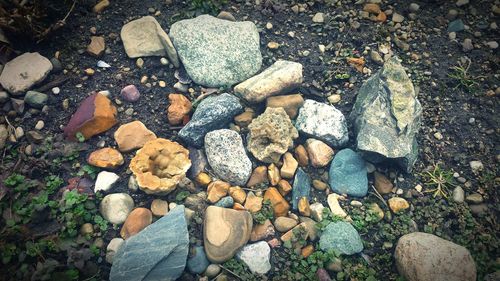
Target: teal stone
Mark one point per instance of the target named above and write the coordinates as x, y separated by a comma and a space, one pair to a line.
301, 187
342, 237
36, 99
225, 202
348, 174
456, 26
198, 262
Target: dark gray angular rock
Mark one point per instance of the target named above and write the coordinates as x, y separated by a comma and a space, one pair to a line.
158, 252
301, 187
213, 113
386, 117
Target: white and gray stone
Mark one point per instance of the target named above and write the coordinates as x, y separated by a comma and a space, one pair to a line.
116, 207
114, 245
26, 70
105, 181
256, 257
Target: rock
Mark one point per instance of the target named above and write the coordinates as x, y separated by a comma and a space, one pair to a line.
95, 115
273, 173
458, 194
372, 8
224, 232
348, 174
244, 119
158, 252
105, 181
335, 208
317, 211
479, 209
397, 18
318, 18
301, 156
397, 204
106, 158
375, 209
97, 46
310, 226
114, 245
376, 57
159, 207
116, 207
386, 116
4, 134
456, 26
319, 153
289, 166
132, 136
279, 78
198, 262
214, 112
4, 97
323, 122
217, 53
271, 135
130, 93
319, 185
227, 157
461, 3
256, 257
178, 109
414, 7
136, 221
259, 176
198, 160
467, 45
290, 103
301, 187
99, 7
145, 37
253, 203
423, 256
284, 224
212, 270
280, 205
342, 237
476, 166
225, 202
26, 70
216, 190
492, 44
262, 231
34, 137
474, 198
296, 234
36, 99
160, 165
223, 15
382, 183
284, 187
238, 194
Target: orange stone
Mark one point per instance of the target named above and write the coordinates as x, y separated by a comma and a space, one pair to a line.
307, 251
284, 187
372, 8
304, 208
238, 194
216, 190
381, 17
273, 173
238, 207
179, 108
203, 179
357, 63
301, 227
280, 205
105, 158
253, 203
301, 156
259, 175
136, 221
245, 118
132, 136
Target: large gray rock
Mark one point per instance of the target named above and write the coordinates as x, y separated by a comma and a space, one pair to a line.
215, 52
422, 256
24, 71
227, 157
323, 122
213, 113
158, 252
145, 37
386, 116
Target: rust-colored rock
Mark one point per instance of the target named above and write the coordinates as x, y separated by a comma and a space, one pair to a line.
136, 221
244, 119
301, 155
280, 205
259, 176
307, 251
203, 179
290, 103
238, 207
382, 183
372, 8
216, 190
132, 136
238, 194
105, 158
304, 208
284, 187
179, 108
262, 231
253, 203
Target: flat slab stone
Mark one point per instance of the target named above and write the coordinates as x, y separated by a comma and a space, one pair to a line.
26, 70
216, 52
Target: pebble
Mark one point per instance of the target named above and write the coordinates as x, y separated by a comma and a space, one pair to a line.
39, 125
492, 44
113, 247
467, 45
414, 7
212, 270
159, 207
458, 194
398, 204
474, 198
476, 166
105, 180
283, 224
318, 18
164, 61
116, 207
139, 62
56, 90
334, 99
397, 18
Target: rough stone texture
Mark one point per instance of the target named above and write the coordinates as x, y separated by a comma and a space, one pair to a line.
227, 157
301, 187
224, 232
290, 103
116, 207
262, 231
215, 52
136, 221
24, 71
158, 252
145, 37
279, 78
106, 158
198, 262
216, 190
271, 135
341, 236
348, 174
386, 117
289, 166
323, 122
422, 256
319, 153
132, 136
4, 134
214, 112
256, 257
178, 109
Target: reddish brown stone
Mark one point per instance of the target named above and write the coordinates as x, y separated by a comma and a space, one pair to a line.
136, 221
178, 109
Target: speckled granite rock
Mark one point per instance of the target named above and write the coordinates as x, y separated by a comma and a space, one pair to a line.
341, 236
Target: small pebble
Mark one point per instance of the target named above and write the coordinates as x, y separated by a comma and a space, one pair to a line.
56, 90
39, 125
163, 61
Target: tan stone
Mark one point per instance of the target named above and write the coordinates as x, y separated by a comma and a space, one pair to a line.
382, 184
178, 109
304, 207
216, 190
290, 234
136, 221
99, 7
284, 187
262, 231
203, 179
280, 205
301, 156
398, 205
283, 224
97, 46
253, 202
289, 166
333, 203
319, 153
238, 194
290, 103
132, 136
244, 119
105, 158
319, 185
273, 173
307, 251
159, 207
372, 8
259, 176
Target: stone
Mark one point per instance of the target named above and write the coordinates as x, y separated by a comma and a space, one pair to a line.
280, 205
97, 46
24, 71
320, 154
281, 77
223, 15
458, 194
376, 57
160, 165
289, 166
256, 256
178, 109
105, 181
297, 233
301, 156
224, 232
216, 190
114, 245
319, 185
290, 103
397, 204
132, 184
198, 162
227, 157
474, 198
212, 270
198, 262
342, 237
348, 174
318, 18
323, 122
4, 134
4, 97
35, 137
212, 113
382, 183
159, 207
106, 158
36, 99
133, 135
158, 252
311, 228
244, 119
423, 256
217, 53
386, 117
375, 209
238, 194
95, 115
301, 187
253, 203
271, 135
130, 93
225, 202
372, 8
259, 176
145, 37
262, 231
456, 26
273, 173
335, 208
317, 211
323, 275
414, 7
461, 3
116, 207
136, 221
284, 224
397, 18
284, 187
467, 45
476, 166
100, 6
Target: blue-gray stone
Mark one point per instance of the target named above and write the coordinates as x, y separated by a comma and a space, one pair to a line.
158, 252
301, 187
348, 174
456, 26
225, 202
213, 113
341, 236
198, 262
36, 99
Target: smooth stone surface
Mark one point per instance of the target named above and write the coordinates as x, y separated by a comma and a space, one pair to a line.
341, 236
215, 52
106, 158
214, 112
335, 208
456, 26
116, 207
130, 93
348, 174
283, 224
256, 257
320, 154
24, 71
301, 187
262, 231
105, 181
227, 157
323, 122
136, 221
158, 252
36, 99
198, 262
114, 245
290, 103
